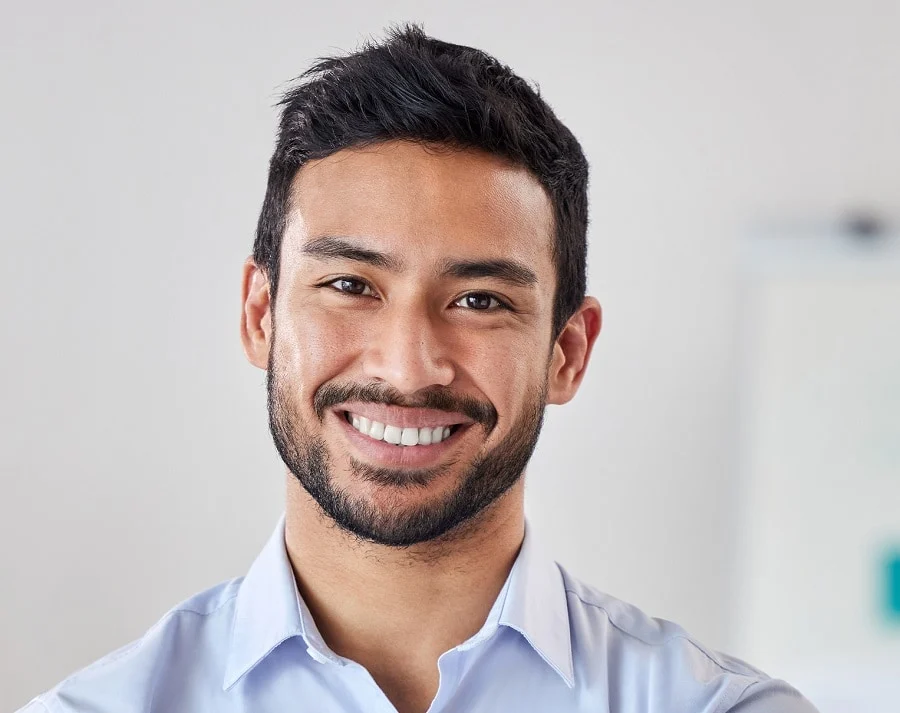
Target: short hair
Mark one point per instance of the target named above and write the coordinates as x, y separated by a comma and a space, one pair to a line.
414, 87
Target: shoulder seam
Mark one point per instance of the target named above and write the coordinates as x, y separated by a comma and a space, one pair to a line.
137, 643
198, 613
729, 702
172, 612
683, 637
609, 618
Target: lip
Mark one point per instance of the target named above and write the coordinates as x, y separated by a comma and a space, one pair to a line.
387, 455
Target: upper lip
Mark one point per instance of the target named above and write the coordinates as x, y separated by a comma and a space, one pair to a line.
405, 417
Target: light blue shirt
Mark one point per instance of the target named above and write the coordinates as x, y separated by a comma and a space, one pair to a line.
550, 644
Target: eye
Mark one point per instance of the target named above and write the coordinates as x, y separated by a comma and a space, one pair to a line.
350, 286
480, 302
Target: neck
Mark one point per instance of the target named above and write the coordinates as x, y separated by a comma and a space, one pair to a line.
374, 603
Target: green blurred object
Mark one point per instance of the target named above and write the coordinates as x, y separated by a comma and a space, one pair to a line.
892, 585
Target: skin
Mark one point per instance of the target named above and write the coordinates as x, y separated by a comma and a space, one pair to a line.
395, 610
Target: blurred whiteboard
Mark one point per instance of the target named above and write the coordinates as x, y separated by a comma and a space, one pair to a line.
820, 465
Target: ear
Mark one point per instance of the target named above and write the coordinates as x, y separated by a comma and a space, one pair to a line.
256, 318
572, 351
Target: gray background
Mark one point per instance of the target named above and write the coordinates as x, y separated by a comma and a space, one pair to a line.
136, 462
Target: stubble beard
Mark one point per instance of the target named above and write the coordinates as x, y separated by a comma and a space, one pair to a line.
490, 476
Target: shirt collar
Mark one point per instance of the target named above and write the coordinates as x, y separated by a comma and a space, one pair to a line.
536, 606
269, 610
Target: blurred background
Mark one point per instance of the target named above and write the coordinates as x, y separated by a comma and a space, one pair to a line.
732, 461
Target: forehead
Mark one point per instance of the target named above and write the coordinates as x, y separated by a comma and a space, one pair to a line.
425, 201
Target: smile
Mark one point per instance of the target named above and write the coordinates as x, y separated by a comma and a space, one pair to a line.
399, 435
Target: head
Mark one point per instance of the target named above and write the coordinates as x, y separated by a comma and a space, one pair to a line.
418, 275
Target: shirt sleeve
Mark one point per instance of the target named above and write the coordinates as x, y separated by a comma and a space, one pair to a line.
34, 706
772, 696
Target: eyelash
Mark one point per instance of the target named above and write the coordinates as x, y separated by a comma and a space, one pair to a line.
501, 305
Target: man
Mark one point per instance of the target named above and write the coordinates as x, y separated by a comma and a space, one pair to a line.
416, 296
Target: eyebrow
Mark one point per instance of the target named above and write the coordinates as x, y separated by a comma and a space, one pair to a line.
509, 271
332, 248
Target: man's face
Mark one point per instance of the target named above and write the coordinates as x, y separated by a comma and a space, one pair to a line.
411, 335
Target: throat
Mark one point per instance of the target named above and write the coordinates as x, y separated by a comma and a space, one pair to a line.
411, 685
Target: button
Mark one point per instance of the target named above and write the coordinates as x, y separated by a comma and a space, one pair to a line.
317, 655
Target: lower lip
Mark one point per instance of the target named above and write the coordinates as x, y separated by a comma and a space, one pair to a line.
387, 455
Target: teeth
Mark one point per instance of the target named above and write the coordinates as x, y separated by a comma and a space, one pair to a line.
397, 435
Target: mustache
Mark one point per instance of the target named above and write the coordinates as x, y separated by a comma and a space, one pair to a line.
439, 398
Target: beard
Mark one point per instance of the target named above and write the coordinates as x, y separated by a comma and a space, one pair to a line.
491, 475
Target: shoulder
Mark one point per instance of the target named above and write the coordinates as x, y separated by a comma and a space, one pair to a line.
630, 631
196, 631
645, 657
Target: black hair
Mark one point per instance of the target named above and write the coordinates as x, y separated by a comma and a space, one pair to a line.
415, 87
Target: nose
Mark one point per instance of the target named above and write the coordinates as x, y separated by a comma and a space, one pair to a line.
407, 350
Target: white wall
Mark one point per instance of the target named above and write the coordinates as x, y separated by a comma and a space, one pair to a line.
820, 455
136, 461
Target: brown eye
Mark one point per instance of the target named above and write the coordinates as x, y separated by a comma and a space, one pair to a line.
479, 301
351, 286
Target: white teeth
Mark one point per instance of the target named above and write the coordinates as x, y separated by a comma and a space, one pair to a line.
376, 430
399, 436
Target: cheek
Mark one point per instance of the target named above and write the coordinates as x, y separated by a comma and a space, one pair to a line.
313, 348
506, 371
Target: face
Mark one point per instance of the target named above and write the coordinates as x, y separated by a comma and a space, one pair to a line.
409, 351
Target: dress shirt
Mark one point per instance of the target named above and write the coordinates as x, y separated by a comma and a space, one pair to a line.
550, 644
